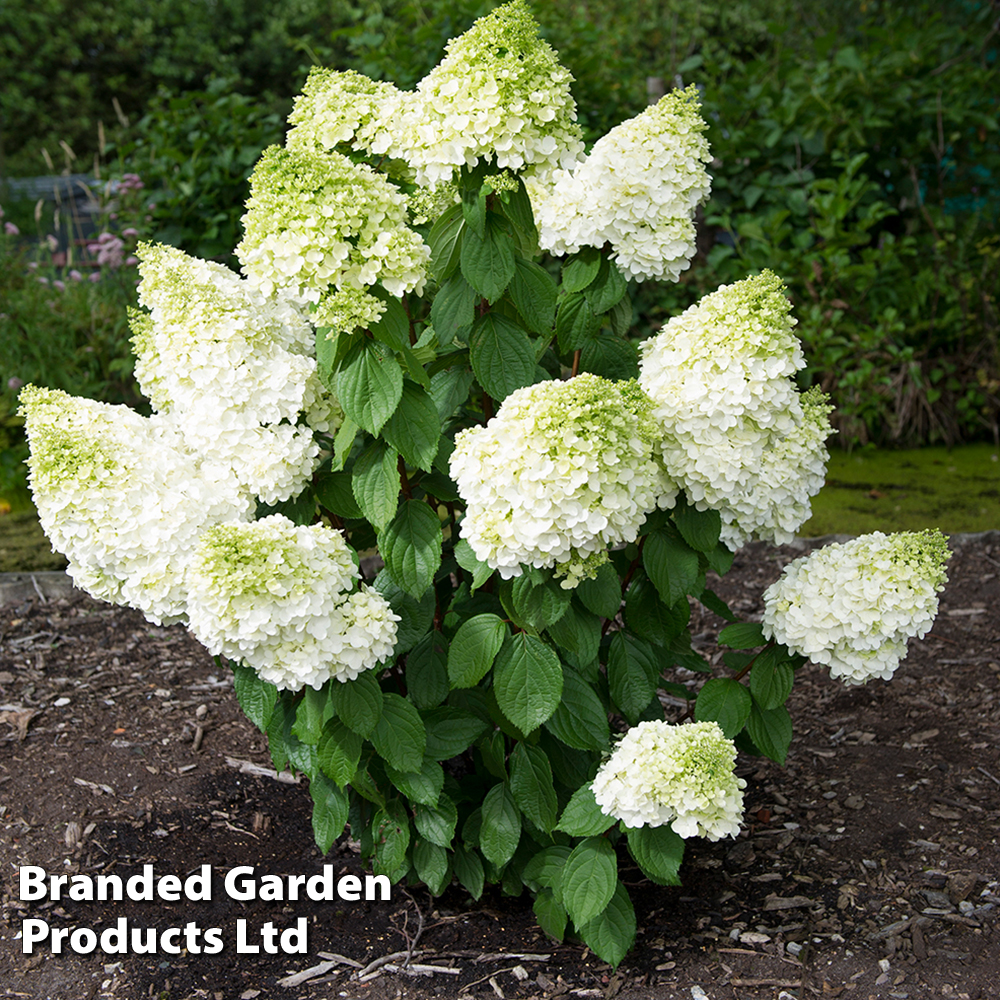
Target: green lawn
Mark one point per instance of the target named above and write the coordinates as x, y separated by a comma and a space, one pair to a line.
869, 490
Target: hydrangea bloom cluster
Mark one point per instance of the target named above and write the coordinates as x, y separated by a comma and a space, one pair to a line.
346, 108
279, 597
230, 367
681, 775
854, 606
637, 190
562, 471
499, 91
733, 422
318, 223
120, 496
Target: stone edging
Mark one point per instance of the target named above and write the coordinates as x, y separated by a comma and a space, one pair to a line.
53, 584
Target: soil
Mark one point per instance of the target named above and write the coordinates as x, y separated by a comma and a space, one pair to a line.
867, 867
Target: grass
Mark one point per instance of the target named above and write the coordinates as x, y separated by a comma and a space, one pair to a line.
868, 490
875, 490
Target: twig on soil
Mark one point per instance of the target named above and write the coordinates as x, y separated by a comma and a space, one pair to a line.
332, 956
306, 974
988, 775
249, 767
377, 963
38, 590
489, 975
412, 943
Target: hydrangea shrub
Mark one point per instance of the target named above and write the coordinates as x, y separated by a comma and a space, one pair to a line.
410, 476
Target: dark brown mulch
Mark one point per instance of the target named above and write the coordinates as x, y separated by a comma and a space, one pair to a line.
868, 866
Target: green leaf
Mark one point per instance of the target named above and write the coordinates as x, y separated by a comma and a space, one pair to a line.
414, 429
743, 635
300, 509
492, 748
335, 494
449, 389
611, 933
393, 326
610, 357
466, 558
725, 701
369, 385
603, 593
339, 752
550, 914
391, 832
469, 871
534, 294
720, 559
279, 731
313, 710
576, 323
488, 261
256, 697
538, 601
453, 308
713, 602
501, 829
399, 735
437, 823
607, 289
431, 863
423, 786
632, 673
580, 721
376, 483
474, 649
589, 879
329, 816
450, 731
427, 671
577, 631
658, 851
771, 731
649, 617
545, 869
445, 241
532, 787
581, 269
343, 443
516, 206
501, 354
671, 564
771, 679
582, 816
528, 681
699, 528
620, 317
358, 703
411, 547
474, 210
415, 617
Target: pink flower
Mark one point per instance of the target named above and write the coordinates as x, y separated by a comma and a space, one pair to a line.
59, 285
96, 276
53, 242
131, 261
33, 265
14, 383
10, 229
43, 281
75, 275
130, 232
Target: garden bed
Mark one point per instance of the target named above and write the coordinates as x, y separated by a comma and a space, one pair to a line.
868, 866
